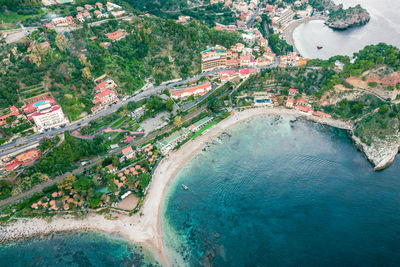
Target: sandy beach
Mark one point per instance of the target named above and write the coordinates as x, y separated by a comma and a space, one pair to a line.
145, 227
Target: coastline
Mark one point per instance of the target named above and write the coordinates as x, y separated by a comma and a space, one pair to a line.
288, 32
145, 228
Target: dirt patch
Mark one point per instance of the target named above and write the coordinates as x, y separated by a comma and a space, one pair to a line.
129, 203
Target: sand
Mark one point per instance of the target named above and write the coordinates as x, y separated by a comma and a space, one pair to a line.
145, 227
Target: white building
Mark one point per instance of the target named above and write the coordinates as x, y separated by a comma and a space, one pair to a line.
48, 116
249, 38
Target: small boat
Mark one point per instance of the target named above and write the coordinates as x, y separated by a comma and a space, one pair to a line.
185, 187
319, 47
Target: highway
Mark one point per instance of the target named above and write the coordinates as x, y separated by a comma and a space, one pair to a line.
21, 142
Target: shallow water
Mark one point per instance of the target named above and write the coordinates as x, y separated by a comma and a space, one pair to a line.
281, 193
384, 26
83, 248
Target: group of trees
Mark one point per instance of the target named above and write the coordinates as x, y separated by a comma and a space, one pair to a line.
278, 45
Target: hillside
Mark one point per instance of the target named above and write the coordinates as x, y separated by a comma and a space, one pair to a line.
154, 48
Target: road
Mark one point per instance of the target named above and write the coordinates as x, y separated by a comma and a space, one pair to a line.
92, 162
15, 35
20, 143
253, 17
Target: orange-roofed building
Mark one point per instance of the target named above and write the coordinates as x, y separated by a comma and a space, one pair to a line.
132, 169
34, 206
290, 102
106, 97
13, 112
137, 167
197, 90
55, 194
120, 174
28, 157
111, 168
128, 152
135, 173
117, 35
126, 171
120, 185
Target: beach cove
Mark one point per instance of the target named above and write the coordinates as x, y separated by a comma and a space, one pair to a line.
305, 35
146, 228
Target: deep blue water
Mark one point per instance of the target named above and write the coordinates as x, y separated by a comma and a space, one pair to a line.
284, 194
74, 249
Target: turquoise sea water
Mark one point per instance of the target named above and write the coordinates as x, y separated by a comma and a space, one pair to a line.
276, 193
83, 248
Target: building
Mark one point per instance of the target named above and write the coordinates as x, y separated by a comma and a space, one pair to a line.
117, 35
183, 20
28, 157
107, 97
112, 6
339, 65
118, 13
63, 21
128, 152
111, 168
290, 102
197, 90
49, 116
213, 58
168, 143
263, 101
292, 91
104, 85
200, 124
12, 112
137, 113
283, 17
249, 38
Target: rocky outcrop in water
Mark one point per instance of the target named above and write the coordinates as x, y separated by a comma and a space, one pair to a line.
342, 19
381, 153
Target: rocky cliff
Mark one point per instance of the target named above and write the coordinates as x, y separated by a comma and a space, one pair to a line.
381, 153
342, 19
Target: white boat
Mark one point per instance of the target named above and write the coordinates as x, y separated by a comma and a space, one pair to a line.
185, 187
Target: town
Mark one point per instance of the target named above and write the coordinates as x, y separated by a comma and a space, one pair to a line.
124, 124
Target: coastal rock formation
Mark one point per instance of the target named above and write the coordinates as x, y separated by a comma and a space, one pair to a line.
381, 153
342, 19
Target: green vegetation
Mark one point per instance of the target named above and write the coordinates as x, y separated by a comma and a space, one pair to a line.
382, 124
58, 161
278, 45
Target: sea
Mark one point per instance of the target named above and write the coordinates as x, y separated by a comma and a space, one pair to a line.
80, 248
277, 192
384, 26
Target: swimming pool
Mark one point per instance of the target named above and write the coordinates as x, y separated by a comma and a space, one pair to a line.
40, 103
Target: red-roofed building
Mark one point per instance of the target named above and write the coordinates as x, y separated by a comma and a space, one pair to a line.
290, 102
305, 109
13, 112
197, 90
246, 72
28, 157
117, 35
107, 84
107, 97
292, 91
128, 152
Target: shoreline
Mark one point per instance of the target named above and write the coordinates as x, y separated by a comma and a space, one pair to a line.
145, 228
288, 31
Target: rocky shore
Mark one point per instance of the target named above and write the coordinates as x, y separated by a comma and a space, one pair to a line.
381, 153
343, 19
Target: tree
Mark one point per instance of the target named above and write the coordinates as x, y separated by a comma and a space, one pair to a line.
37, 54
86, 73
84, 61
62, 42
178, 121
67, 183
169, 105
383, 109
